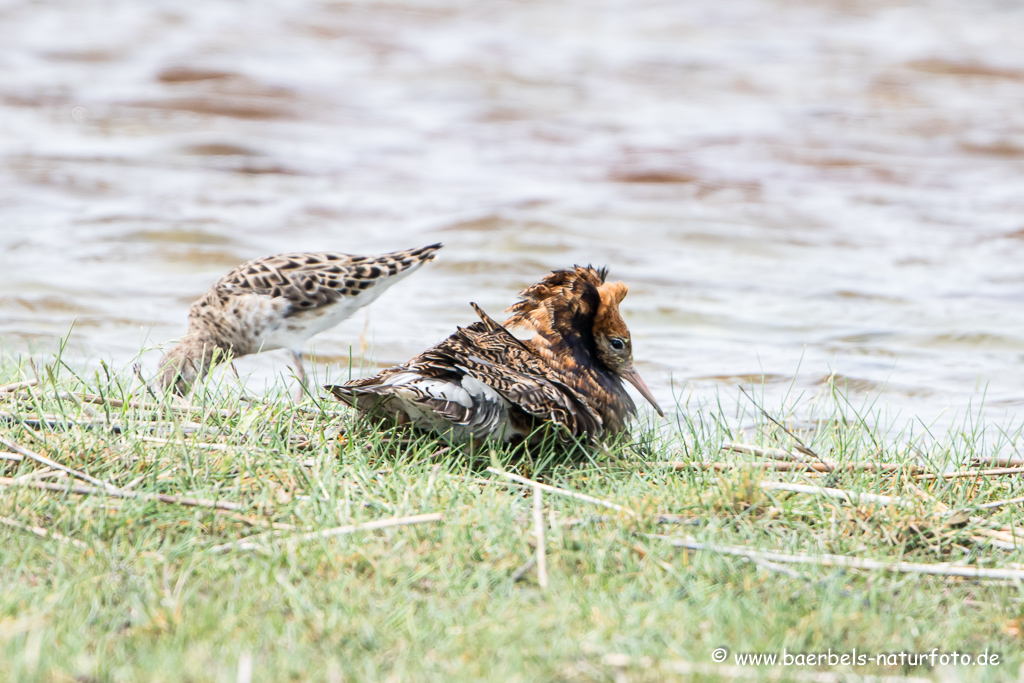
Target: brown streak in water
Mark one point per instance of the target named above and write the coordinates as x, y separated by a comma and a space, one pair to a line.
652, 175
45, 304
973, 340
486, 224
224, 94
256, 168
81, 55
744, 379
174, 236
505, 114
186, 74
851, 383
197, 257
474, 266
232, 107
34, 99
1000, 148
866, 296
217, 149
893, 91
860, 350
945, 67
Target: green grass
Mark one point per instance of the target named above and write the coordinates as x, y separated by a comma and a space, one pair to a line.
146, 599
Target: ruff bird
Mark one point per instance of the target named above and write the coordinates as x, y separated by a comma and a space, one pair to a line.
483, 382
279, 302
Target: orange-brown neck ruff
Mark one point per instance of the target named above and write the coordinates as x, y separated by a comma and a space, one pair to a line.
565, 310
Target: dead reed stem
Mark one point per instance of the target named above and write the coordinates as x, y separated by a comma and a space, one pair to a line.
40, 531
245, 668
14, 627
120, 493
1002, 538
563, 492
439, 452
762, 452
538, 530
43, 473
254, 542
1000, 503
194, 444
14, 386
56, 465
849, 496
800, 445
828, 560
997, 461
995, 472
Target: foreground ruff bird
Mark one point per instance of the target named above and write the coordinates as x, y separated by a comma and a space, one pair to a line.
485, 383
279, 302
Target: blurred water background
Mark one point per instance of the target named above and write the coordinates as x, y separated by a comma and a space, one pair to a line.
796, 192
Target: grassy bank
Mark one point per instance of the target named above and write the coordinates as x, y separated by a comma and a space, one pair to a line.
126, 585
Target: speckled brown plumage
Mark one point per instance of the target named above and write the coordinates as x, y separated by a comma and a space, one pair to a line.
280, 302
483, 382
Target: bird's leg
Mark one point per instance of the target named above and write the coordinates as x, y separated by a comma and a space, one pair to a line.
300, 372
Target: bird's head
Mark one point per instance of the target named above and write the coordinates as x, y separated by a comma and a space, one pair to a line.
611, 336
571, 309
187, 362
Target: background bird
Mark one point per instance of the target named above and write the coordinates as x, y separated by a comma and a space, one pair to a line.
279, 302
483, 382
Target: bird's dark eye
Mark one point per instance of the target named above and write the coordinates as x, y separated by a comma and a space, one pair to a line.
618, 344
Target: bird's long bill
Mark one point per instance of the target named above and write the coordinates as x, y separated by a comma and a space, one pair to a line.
633, 377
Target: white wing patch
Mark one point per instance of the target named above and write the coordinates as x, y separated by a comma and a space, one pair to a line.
418, 386
431, 403
478, 389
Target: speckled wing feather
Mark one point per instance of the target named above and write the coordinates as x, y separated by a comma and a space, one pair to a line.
509, 389
280, 302
309, 281
494, 356
561, 307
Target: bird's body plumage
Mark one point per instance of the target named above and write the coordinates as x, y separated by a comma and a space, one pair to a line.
279, 302
482, 382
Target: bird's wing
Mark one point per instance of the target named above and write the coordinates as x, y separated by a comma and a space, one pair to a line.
526, 380
478, 377
309, 281
543, 398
